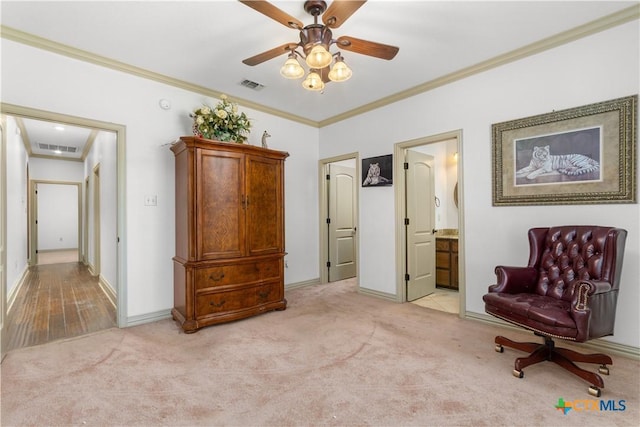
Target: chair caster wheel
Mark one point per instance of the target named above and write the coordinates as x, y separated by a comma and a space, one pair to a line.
499, 348
518, 374
603, 370
594, 391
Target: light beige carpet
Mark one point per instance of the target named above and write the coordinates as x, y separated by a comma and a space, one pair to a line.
333, 358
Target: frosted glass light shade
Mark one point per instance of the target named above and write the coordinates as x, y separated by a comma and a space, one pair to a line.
319, 57
340, 72
313, 82
292, 69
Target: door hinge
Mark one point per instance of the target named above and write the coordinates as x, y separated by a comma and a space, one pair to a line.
406, 165
406, 221
328, 264
328, 220
328, 176
407, 277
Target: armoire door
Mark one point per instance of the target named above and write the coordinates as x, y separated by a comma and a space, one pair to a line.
265, 220
220, 205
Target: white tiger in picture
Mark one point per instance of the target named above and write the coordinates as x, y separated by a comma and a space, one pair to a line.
542, 161
374, 177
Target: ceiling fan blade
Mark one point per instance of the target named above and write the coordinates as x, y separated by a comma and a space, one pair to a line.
273, 12
365, 47
339, 11
270, 54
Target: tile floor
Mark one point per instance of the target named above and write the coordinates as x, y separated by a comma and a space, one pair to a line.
442, 300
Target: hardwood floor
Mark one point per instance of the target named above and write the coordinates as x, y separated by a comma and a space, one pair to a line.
58, 301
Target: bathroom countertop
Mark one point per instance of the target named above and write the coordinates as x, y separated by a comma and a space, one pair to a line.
447, 236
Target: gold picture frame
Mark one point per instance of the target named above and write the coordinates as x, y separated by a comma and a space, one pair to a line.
583, 155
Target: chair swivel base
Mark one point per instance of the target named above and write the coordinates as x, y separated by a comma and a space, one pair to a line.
561, 356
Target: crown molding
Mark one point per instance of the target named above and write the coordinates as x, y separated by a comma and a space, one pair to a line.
593, 27
83, 55
622, 17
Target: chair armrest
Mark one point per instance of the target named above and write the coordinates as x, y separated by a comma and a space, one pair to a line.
586, 289
592, 296
594, 286
514, 280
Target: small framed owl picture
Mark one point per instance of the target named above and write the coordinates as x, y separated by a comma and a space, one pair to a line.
377, 171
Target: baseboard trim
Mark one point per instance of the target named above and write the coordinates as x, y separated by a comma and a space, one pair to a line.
11, 298
108, 290
91, 268
302, 284
597, 344
148, 318
378, 294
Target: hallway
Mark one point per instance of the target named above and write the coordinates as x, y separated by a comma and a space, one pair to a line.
58, 301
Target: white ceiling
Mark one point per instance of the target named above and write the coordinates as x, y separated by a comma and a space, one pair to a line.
204, 42
55, 139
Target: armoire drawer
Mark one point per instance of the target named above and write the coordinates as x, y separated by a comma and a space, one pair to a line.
238, 273
237, 299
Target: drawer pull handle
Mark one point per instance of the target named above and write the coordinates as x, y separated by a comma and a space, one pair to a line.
264, 294
220, 304
216, 278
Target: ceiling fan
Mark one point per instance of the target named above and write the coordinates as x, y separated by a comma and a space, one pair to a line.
316, 40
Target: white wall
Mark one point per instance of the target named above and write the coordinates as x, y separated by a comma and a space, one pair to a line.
51, 82
41, 169
16, 206
103, 154
57, 216
597, 68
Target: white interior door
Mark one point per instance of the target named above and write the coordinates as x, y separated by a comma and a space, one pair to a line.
342, 222
420, 225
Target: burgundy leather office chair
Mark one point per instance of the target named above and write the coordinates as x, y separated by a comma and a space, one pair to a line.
568, 290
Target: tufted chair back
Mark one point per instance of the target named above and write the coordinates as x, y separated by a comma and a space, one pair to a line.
565, 255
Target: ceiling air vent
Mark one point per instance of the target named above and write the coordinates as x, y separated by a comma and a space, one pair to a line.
62, 148
251, 84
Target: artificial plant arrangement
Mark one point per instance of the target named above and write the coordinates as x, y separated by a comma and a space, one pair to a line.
222, 122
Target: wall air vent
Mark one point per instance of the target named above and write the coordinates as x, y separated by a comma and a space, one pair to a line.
62, 148
251, 84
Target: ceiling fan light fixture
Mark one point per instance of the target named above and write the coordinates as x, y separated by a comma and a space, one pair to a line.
318, 57
340, 72
292, 68
313, 82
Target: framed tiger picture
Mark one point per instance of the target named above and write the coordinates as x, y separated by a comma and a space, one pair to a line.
377, 171
583, 155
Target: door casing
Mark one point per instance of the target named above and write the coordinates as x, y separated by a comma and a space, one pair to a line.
121, 247
33, 217
400, 207
323, 205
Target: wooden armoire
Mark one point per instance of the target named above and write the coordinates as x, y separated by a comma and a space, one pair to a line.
229, 261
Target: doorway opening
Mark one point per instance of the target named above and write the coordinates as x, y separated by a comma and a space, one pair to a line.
338, 181
429, 226
55, 227
112, 133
